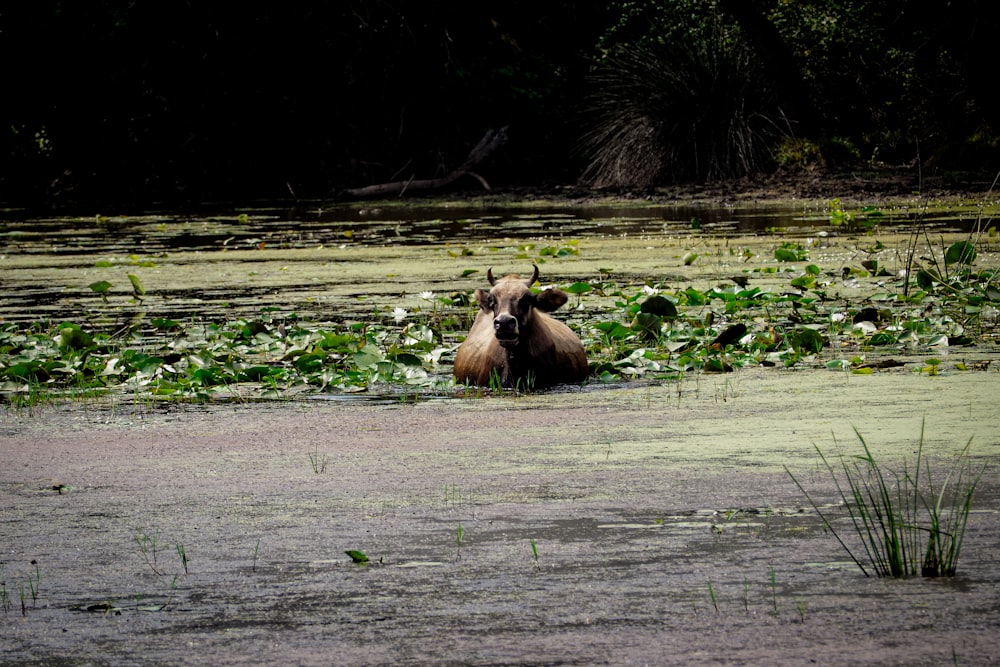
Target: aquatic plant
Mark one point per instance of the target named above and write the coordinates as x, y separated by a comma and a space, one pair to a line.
182, 554
357, 557
318, 461
256, 554
631, 329
906, 524
711, 595
148, 542
202, 361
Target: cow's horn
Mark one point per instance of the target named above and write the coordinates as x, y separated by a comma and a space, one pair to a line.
489, 276
534, 276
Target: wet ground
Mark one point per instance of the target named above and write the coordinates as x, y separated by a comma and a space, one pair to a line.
641, 523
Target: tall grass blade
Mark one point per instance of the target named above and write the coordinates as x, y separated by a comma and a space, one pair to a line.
826, 521
891, 512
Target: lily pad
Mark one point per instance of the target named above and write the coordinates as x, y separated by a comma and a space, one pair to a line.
807, 340
659, 305
960, 252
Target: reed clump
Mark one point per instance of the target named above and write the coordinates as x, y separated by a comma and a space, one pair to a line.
907, 523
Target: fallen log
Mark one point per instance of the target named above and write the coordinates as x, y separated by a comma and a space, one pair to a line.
490, 142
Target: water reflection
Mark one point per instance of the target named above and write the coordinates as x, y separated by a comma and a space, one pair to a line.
310, 226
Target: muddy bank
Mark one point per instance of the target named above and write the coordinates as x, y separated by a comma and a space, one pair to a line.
640, 525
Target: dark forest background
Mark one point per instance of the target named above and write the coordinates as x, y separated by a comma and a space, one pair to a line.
135, 103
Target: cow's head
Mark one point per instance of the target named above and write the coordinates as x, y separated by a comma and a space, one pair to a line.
511, 303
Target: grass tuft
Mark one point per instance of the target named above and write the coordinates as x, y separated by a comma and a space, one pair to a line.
907, 525
685, 108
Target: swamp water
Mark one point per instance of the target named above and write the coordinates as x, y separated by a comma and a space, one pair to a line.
323, 261
644, 521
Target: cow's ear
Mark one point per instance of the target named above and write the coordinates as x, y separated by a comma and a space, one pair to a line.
483, 297
550, 299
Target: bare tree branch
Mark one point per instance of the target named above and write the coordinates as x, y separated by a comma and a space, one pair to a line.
490, 142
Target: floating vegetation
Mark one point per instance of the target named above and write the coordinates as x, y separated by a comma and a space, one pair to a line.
358, 557
630, 331
201, 361
877, 306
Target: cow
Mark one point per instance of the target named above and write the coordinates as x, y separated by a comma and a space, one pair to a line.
515, 343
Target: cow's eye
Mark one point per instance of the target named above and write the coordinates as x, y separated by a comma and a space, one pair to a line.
526, 302
491, 302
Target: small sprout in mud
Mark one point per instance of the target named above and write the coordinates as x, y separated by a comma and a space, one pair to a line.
746, 594
318, 461
459, 534
496, 382
147, 546
173, 590
711, 595
33, 583
358, 557
534, 549
932, 366
453, 495
256, 553
183, 556
802, 609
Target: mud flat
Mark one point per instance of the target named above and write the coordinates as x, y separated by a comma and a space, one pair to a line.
643, 524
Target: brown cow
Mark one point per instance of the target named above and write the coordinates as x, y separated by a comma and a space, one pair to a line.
515, 342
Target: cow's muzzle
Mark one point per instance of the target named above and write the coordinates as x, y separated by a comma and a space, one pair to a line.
505, 328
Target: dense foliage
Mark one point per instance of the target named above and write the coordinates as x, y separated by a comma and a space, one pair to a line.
122, 102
